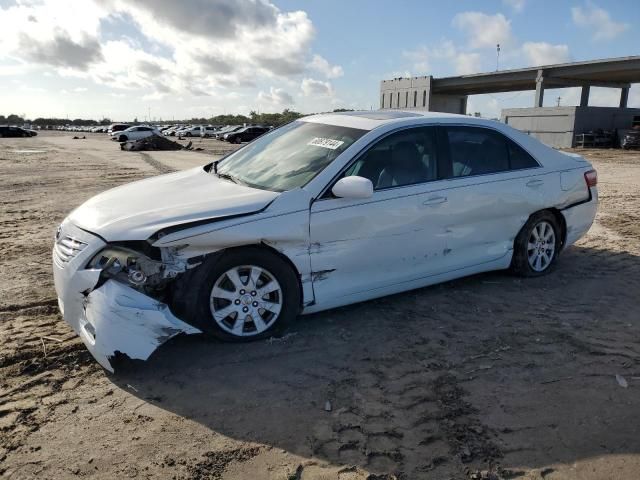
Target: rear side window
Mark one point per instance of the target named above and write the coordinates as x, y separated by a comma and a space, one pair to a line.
476, 151
519, 159
479, 151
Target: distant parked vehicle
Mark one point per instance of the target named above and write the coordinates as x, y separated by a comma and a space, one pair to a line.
6, 131
181, 130
230, 128
117, 127
631, 139
191, 131
135, 133
171, 130
208, 131
245, 134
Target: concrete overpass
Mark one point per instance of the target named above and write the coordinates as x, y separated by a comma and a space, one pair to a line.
450, 93
556, 126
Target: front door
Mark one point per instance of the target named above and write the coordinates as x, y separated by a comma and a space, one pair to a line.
393, 237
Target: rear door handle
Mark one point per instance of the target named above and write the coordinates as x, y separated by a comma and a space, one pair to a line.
434, 201
534, 183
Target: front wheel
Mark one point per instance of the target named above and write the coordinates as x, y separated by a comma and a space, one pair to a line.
537, 245
240, 295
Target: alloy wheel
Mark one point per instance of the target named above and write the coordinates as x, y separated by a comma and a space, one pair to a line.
246, 300
541, 246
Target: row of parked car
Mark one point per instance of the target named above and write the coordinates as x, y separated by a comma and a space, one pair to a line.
229, 133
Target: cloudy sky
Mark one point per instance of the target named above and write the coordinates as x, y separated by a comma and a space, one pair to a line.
186, 58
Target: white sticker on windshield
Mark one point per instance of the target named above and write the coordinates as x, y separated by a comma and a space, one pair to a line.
326, 143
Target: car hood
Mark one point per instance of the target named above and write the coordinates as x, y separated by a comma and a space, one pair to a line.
137, 210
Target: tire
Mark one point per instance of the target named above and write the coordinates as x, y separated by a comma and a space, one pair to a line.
237, 140
122, 138
188, 134
537, 245
210, 290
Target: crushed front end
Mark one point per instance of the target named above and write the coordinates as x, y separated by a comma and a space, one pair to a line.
112, 294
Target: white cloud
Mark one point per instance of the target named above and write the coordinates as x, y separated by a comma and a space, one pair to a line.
598, 19
321, 65
228, 44
462, 62
317, 88
517, 5
275, 97
484, 31
419, 58
542, 53
466, 63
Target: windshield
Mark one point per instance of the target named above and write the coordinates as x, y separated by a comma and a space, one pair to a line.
288, 157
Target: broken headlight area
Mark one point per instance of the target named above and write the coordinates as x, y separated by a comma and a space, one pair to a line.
131, 267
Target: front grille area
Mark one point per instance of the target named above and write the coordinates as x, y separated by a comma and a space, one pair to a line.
66, 248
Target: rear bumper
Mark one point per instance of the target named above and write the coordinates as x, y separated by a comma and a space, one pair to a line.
579, 218
113, 317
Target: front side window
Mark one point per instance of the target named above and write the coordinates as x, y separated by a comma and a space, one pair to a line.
288, 157
404, 158
476, 151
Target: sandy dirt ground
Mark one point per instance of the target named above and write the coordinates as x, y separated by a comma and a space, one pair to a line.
491, 376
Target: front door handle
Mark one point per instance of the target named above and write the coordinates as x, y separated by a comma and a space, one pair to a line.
534, 183
434, 201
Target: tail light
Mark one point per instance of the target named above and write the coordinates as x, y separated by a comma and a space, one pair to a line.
591, 177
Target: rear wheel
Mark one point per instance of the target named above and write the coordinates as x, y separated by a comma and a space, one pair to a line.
537, 245
237, 140
239, 295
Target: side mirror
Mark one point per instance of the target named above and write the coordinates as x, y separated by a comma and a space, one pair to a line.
353, 187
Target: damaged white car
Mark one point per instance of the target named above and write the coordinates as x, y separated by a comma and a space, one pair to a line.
325, 211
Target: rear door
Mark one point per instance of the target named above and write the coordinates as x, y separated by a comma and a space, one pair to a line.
494, 185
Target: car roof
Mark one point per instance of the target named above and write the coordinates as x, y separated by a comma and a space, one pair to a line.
370, 119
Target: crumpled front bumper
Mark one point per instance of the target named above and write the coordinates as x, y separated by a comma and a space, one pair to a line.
113, 317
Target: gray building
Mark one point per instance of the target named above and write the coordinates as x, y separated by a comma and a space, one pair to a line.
556, 126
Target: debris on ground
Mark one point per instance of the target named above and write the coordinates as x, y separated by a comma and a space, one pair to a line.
79, 138
622, 381
154, 142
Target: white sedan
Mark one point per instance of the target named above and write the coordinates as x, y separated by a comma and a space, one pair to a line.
325, 211
135, 133
191, 131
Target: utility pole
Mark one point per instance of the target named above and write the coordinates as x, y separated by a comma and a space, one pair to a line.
497, 57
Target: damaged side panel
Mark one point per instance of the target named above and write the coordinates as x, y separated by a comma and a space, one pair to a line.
288, 233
